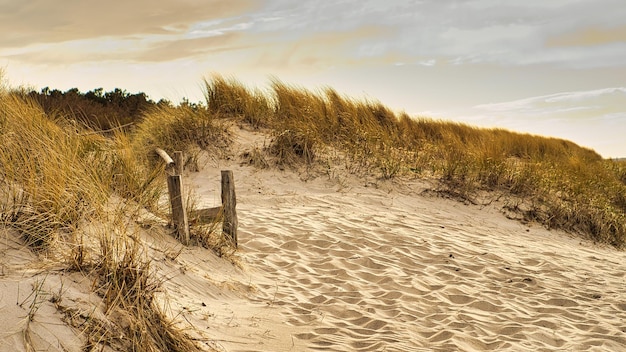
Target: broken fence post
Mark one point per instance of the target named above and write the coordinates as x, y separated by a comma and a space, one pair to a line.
229, 203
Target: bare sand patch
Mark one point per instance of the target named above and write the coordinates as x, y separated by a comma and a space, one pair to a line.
361, 268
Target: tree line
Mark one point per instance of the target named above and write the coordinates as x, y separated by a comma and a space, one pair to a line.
96, 109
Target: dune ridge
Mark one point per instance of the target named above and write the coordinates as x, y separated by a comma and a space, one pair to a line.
332, 262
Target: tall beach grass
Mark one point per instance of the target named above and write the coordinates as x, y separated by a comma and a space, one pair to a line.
548, 180
57, 183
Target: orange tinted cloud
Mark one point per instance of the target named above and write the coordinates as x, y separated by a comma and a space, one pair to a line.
188, 48
43, 21
589, 37
322, 49
130, 50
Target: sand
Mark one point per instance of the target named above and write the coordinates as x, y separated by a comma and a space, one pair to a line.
28, 285
336, 263
354, 265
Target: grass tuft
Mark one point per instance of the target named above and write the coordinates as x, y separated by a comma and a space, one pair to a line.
184, 128
48, 181
128, 287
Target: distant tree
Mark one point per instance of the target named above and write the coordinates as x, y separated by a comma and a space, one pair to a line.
95, 109
96, 95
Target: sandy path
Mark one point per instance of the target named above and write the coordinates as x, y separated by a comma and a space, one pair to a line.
332, 265
376, 270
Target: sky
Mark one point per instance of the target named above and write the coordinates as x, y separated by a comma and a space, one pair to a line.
553, 68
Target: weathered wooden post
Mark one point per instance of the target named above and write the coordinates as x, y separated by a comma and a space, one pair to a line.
179, 213
175, 190
229, 203
178, 163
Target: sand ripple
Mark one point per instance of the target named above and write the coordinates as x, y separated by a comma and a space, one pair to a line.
389, 270
375, 272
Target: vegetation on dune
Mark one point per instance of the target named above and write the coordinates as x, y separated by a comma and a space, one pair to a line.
68, 159
187, 128
47, 184
548, 180
71, 193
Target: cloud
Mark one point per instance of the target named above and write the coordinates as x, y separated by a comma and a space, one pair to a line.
141, 32
321, 34
40, 21
580, 97
583, 108
593, 118
130, 50
320, 49
189, 48
590, 36
463, 32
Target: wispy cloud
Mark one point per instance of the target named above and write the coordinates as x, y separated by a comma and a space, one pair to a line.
464, 32
594, 118
565, 102
324, 49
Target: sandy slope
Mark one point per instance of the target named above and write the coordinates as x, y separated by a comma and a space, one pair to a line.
28, 285
340, 264
344, 267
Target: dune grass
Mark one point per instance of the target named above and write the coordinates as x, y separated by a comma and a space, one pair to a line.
57, 185
128, 286
184, 128
47, 185
551, 181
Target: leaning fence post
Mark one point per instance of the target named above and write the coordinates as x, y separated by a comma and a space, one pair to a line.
179, 214
229, 203
175, 191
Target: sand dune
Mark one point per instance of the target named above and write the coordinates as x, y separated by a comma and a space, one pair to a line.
340, 264
388, 269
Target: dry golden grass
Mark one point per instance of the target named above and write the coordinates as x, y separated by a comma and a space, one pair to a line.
230, 98
549, 180
57, 183
48, 184
128, 287
184, 128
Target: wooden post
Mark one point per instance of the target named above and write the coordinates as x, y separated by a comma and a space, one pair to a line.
178, 163
179, 213
175, 190
229, 203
